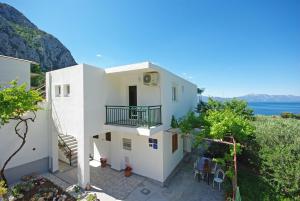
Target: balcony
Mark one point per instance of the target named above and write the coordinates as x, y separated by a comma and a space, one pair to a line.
133, 116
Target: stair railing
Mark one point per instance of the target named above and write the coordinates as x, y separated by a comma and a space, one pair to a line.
61, 142
67, 151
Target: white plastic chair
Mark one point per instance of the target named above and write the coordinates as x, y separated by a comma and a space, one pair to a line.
196, 172
214, 168
219, 179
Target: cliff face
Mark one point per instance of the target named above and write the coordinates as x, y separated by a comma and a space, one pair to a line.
22, 39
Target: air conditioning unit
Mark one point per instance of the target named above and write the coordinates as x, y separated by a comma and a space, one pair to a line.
150, 78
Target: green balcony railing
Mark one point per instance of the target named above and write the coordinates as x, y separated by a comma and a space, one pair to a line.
133, 116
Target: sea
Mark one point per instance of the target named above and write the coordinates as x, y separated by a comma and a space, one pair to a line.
274, 108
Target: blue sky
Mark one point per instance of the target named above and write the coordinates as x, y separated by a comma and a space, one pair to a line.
230, 47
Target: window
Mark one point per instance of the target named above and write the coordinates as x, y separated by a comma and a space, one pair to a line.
174, 142
127, 144
66, 90
174, 94
182, 89
57, 90
108, 136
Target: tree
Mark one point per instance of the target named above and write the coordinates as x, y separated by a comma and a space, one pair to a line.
15, 104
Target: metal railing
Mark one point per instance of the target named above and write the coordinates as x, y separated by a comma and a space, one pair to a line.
133, 116
66, 148
61, 143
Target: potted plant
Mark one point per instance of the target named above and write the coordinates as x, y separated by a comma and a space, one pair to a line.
16, 192
103, 162
127, 171
3, 190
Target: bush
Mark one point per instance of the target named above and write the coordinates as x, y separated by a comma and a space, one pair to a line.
278, 140
287, 115
3, 189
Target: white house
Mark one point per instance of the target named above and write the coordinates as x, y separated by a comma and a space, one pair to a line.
122, 114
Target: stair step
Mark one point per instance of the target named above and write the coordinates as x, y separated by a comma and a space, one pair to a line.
70, 140
72, 146
71, 143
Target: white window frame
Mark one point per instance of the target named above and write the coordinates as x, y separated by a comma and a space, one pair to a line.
57, 90
67, 90
127, 144
174, 94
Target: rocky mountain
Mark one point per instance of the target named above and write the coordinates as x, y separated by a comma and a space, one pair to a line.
22, 39
261, 98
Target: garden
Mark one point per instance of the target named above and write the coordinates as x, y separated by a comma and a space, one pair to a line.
267, 149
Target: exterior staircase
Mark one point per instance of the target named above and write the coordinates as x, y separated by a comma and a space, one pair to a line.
68, 145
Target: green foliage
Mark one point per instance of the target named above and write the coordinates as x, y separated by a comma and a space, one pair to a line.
189, 122
38, 77
239, 107
201, 107
290, 115
91, 197
254, 187
278, 140
3, 189
16, 100
221, 123
174, 123
31, 36
35, 68
38, 81
16, 190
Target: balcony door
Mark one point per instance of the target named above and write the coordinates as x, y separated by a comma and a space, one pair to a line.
132, 102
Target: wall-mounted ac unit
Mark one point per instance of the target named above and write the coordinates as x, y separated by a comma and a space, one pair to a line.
150, 78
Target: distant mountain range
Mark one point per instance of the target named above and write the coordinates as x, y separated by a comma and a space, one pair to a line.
260, 98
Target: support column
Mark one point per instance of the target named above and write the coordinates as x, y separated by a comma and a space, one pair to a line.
83, 172
52, 132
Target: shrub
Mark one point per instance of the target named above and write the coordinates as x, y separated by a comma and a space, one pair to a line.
279, 154
91, 197
3, 189
287, 115
189, 122
174, 123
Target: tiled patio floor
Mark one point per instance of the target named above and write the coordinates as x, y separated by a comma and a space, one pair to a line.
111, 185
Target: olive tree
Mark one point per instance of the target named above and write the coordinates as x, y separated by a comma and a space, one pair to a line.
16, 102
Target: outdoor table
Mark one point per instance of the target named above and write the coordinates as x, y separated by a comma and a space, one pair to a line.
200, 166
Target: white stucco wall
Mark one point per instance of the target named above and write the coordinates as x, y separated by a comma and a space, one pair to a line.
171, 160
67, 111
144, 160
95, 92
11, 69
37, 138
118, 91
186, 94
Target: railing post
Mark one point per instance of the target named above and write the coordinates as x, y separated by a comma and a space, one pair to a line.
106, 114
160, 115
149, 122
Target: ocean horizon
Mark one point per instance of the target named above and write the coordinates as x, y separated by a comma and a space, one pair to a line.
274, 108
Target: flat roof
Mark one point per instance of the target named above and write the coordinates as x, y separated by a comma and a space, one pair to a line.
8, 57
141, 66
128, 67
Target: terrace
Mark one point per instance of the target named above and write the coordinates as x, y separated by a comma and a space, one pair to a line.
133, 116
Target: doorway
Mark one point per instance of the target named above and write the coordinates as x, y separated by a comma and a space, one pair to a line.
132, 102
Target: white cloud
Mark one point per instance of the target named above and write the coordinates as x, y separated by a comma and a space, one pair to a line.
99, 55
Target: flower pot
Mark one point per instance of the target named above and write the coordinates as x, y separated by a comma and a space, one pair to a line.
103, 162
127, 173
